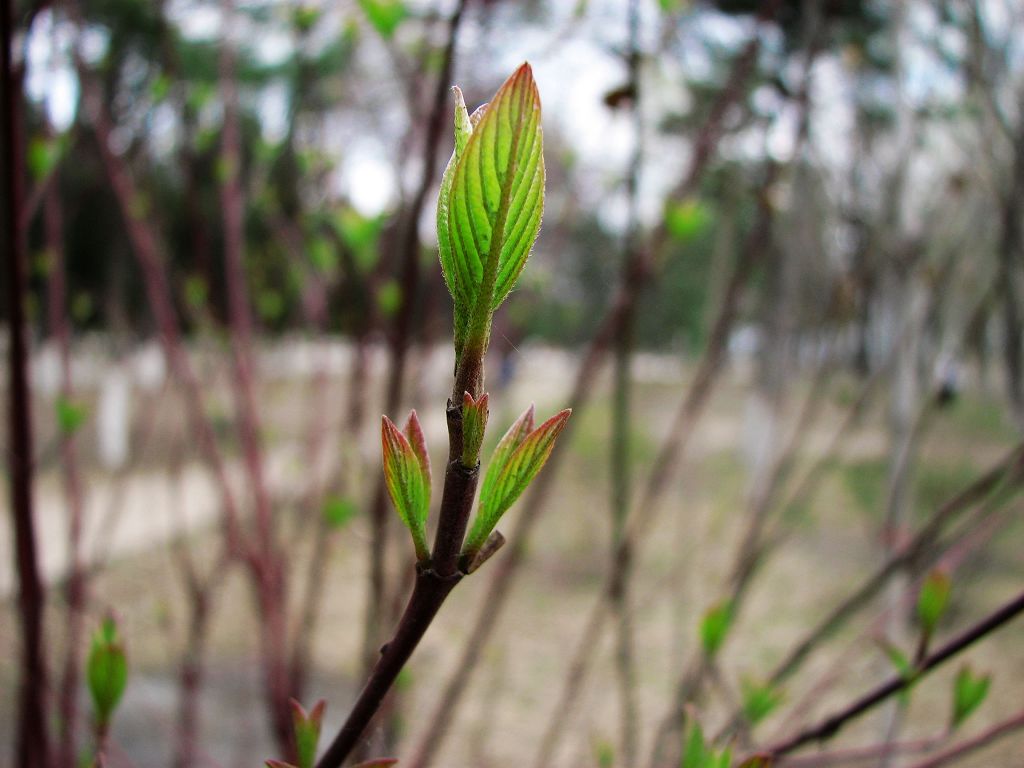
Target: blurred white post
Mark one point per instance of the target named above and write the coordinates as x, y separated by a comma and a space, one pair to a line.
113, 418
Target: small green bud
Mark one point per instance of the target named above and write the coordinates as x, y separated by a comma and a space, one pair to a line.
306, 727
474, 423
106, 671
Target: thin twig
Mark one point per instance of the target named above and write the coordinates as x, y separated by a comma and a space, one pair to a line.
831, 725
983, 739
687, 415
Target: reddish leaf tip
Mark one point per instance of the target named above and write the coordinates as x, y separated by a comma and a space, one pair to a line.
316, 714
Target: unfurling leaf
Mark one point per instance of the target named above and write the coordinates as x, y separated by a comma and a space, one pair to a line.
474, 423
517, 459
968, 694
306, 728
933, 600
407, 476
714, 627
106, 671
490, 204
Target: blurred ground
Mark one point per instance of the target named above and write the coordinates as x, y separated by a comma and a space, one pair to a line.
135, 510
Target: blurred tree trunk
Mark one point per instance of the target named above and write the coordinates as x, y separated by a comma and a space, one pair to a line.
32, 742
904, 311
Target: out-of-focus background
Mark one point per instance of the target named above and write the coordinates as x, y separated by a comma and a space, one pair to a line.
780, 277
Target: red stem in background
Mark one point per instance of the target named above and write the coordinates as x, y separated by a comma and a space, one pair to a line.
409, 281
145, 246
269, 568
965, 747
75, 589
828, 727
32, 744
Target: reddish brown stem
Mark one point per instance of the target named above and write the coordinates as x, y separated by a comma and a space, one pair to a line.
831, 725
269, 569
32, 744
983, 739
75, 588
434, 581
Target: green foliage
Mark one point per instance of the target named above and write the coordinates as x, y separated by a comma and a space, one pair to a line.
385, 15
70, 415
322, 255
305, 17
516, 460
604, 754
106, 671
687, 220
490, 204
759, 700
714, 627
338, 511
933, 600
903, 666
698, 754
389, 297
360, 234
43, 156
196, 292
407, 476
968, 694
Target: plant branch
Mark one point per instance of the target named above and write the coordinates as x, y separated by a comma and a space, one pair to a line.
831, 725
684, 422
532, 507
983, 739
32, 744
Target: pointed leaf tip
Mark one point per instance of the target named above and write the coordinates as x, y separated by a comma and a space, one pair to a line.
418, 442
474, 424
517, 459
407, 477
490, 205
